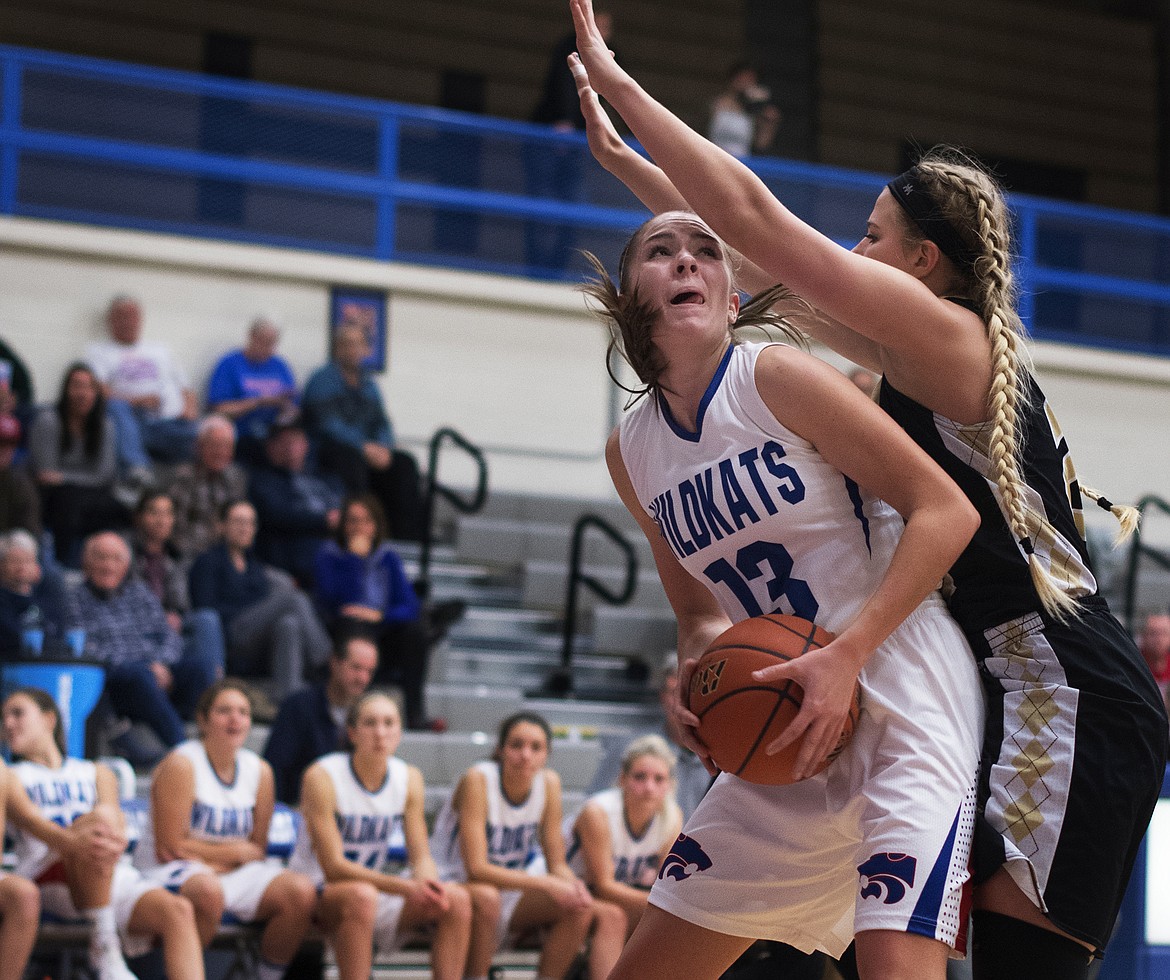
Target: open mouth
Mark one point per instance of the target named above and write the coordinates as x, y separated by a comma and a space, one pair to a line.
688, 297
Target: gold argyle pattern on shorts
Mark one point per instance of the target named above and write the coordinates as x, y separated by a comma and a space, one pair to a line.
1032, 737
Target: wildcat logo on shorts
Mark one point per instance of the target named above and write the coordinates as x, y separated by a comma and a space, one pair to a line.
707, 679
887, 876
685, 858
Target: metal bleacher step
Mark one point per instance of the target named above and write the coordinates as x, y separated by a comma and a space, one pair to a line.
545, 584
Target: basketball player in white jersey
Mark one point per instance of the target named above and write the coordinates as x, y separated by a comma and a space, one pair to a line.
69, 837
211, 805
20, 905
621, 835
764, 482
501, 831
364, 825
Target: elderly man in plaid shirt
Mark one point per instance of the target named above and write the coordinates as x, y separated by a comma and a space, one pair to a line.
150, 677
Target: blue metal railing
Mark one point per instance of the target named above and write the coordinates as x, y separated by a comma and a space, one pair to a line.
122, 145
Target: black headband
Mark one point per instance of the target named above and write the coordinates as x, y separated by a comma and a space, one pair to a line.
916, 201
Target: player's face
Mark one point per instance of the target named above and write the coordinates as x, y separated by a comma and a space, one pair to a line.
378, 730
647, 782
525, 750
228, 720
885, 234
26, 726
681, 269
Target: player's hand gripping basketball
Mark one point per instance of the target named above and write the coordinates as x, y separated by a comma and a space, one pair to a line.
684, 722
828, 678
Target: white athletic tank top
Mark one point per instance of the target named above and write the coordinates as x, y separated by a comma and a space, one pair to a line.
370, 823
221, 811
751, 510
513, 829
62, 795
635, 859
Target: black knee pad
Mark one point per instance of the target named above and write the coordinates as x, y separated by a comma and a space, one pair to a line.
1004, 948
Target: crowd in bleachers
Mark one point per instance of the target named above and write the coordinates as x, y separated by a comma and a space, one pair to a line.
186, 541
254, 539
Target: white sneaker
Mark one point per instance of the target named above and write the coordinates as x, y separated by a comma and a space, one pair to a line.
106, 960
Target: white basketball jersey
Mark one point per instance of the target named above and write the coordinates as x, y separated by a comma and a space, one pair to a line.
751, 510
513, 829
62, 795
221, 811
635, 859
370, 823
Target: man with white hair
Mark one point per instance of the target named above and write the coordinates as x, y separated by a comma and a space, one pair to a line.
252, 385
145, 387
31, 601
201, 488
150, 676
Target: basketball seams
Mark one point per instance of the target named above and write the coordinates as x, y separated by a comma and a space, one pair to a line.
781, 697
743, 646
751, 752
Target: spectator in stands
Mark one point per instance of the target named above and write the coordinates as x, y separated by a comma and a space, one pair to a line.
20, 904
346, 419
311, 721
200, 489
270, 626
556, 171
1154, 643
743, 119
621, 835
33, 603
73, 457
152, 402
211, 805
298, 510
156, 562
531, 893
252, 386
151, 676
16, 387
20, 504
364, 825
361, 582
70, 837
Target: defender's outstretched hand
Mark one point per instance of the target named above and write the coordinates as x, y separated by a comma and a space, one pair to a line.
603, 70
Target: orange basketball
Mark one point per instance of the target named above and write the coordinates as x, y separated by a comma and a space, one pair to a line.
739, 716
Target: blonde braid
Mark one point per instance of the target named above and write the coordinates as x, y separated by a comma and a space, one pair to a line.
1128, 517
993, 283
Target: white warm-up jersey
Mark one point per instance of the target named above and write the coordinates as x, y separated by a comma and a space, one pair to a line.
370, 823
221, 811
513, 829
751, 509
62, 795
635, 859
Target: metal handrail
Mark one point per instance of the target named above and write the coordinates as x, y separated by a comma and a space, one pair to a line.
561, 681
435, 489
1138, 550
